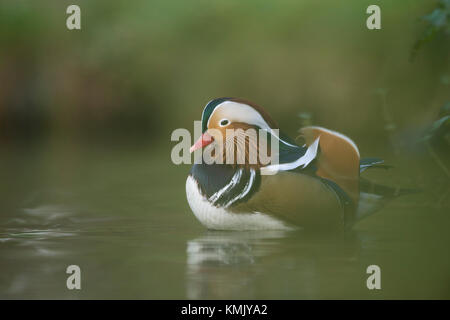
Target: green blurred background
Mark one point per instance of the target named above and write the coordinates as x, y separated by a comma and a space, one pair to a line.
137, 70
85, 123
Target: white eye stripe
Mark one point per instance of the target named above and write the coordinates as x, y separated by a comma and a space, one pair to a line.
246, 114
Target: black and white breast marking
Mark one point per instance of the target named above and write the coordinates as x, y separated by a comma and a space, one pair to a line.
224, 185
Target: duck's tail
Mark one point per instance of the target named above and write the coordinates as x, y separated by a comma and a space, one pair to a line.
373, 196
339, 162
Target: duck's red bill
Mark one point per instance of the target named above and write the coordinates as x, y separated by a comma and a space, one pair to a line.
203, 141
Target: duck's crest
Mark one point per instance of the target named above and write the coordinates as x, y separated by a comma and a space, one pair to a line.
208, 110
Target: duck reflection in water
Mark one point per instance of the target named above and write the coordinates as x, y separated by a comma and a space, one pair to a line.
263, 264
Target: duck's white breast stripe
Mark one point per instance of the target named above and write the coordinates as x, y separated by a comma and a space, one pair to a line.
247, 188
234, 181
249, 184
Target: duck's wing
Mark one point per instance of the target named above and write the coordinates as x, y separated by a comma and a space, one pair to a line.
312, 177
300, 199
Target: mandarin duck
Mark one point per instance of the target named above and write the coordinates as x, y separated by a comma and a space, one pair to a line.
313, 185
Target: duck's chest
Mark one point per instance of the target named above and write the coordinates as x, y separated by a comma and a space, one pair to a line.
211, 192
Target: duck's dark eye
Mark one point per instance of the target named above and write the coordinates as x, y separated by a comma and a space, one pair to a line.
224, 122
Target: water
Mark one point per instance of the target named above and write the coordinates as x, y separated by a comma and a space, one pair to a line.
121, 215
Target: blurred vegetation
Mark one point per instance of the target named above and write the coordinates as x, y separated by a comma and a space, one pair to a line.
437, 22
137, 70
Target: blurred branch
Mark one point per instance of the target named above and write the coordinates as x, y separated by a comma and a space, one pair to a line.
437, 22
437, 159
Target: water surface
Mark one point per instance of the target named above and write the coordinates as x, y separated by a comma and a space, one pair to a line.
121, 215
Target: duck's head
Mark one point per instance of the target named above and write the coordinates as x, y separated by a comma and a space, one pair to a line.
221, 119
